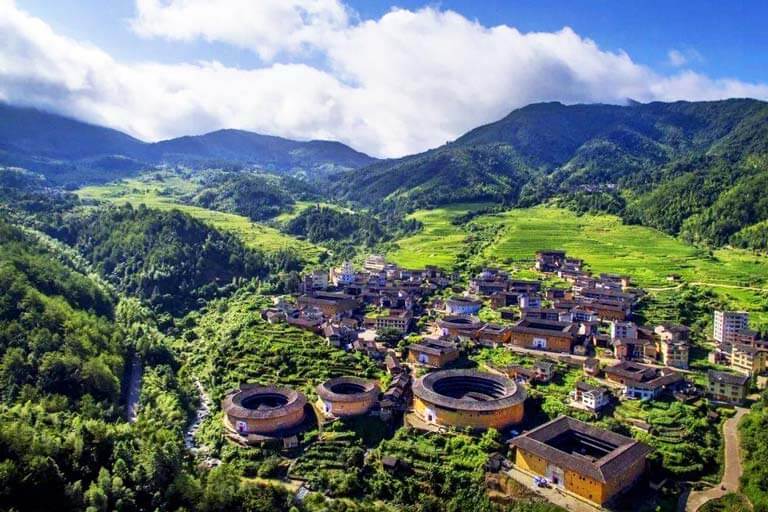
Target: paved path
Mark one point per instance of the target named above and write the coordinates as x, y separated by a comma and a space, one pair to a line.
732, 471
134, 390
552, 494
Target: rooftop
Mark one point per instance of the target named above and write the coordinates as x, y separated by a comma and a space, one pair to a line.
590, 451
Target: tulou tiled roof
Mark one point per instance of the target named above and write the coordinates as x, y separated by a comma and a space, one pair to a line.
609, 467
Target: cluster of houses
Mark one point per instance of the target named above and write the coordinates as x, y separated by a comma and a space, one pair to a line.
577, 325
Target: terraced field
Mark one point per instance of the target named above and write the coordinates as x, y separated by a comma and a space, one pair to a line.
607, 245
165, 196
438, 243
234, 345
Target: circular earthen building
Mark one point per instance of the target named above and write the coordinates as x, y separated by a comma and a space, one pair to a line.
468, 398
347, 396
265, 410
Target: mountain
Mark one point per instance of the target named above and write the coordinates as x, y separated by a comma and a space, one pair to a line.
263, 151
67, 150
660, 164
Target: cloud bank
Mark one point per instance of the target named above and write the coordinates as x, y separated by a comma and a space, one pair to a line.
402, 83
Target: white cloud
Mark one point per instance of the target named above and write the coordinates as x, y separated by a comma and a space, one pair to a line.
265, 26
395, 85
679, 58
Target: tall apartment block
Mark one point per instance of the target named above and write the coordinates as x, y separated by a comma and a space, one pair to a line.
728, 326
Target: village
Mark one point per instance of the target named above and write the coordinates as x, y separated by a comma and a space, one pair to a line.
446, 370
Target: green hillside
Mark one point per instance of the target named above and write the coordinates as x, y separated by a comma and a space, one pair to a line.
684, 167
647, 255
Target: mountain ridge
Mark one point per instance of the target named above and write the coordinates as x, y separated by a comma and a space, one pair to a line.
65, 149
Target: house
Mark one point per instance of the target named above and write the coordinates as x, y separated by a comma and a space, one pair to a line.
524, 286
727, 387
529, 301
493, 335
398, 319
343, 275
591, 367
637, 349
375, 263
392, 364
274, 315
459, 326
504, 299
397, 396
315, 280
433, 352
549, 261
543, 371
589, 397
544, 335
592, 463
615, 280
673, 346
519, 373
643, 382
541, 314
674, 353
329, 303
749, 360
622, 329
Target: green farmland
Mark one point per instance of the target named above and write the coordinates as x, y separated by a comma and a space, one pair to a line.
165, 196
438, 243
607, 245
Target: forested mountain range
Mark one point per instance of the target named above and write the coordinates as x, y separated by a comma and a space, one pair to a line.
685, 167
70, 151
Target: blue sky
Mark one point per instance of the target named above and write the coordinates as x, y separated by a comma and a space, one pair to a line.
388, 79
730, 38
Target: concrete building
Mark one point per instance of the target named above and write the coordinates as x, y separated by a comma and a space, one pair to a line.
643, 382
592, 463
589, 397
749, 360
674, 344
727, 387
625, 330
727, 326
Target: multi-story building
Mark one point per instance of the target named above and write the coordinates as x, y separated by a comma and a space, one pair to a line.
343, 275
625, 330
587, 396
728, 325
748, 359
727, 387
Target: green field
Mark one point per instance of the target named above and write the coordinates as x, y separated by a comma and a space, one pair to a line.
165, 196
438, 243
606, 245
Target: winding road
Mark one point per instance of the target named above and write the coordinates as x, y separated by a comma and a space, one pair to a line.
202, 412
732, 471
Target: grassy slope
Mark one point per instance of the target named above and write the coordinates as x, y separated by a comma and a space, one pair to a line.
438, 243
153, 195
607, 245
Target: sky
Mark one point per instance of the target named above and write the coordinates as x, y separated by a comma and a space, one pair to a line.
386, 78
